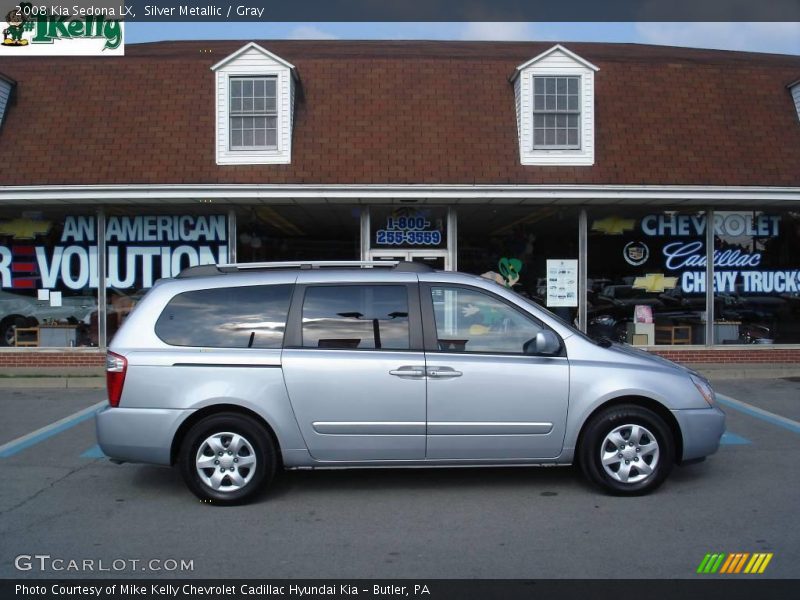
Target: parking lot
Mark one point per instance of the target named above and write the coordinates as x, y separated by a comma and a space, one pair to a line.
61, 498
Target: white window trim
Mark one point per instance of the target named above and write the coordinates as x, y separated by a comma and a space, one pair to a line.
523, 79
584, 154
794, 90
273, 66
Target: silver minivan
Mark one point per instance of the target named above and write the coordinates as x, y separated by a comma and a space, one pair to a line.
231, 372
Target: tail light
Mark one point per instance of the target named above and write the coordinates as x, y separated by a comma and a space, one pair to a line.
116, 366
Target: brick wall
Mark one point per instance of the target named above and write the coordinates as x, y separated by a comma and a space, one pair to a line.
756, 354
75, 359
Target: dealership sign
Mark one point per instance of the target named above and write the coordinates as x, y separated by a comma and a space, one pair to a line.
695, 225
692, 254
139, 250
685, 255
748, 282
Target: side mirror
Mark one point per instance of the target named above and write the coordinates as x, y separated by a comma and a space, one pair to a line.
545, 343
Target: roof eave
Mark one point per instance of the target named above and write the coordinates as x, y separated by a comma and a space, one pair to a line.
548, 52
264, 51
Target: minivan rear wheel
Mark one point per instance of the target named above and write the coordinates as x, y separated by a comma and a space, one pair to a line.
627, 450
227, 458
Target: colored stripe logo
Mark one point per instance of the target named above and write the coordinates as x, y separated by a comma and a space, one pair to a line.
733, 563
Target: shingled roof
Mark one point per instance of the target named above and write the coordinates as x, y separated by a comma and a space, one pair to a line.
402, 112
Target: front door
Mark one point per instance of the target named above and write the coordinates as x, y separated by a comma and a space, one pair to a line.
487, 397
355, 370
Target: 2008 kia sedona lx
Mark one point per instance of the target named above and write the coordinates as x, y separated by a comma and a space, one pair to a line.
232, 372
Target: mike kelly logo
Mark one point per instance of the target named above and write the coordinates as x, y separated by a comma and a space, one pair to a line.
61, 31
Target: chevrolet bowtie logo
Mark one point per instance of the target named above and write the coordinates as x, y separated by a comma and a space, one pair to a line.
24, 229
613, 225
654, 282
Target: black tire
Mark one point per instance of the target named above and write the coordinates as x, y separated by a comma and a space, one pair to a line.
258, 443
594, 444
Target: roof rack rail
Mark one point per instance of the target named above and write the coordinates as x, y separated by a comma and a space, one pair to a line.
208, 270
305, 264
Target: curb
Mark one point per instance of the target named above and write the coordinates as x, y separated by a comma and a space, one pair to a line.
745, 372
84, 383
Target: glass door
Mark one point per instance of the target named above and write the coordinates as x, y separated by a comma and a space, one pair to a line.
435, 258
423, 234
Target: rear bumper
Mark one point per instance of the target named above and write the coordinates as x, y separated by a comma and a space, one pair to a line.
139, 434
701, 430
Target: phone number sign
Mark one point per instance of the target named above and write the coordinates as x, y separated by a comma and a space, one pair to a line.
408, 231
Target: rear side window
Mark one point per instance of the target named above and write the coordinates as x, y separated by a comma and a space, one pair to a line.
371, 317
238, 317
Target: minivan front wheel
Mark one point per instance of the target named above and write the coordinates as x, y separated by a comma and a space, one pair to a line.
627, 450
227, 458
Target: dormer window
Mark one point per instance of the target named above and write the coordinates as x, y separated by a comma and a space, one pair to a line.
794, 89
556, 112
254, 113
554, 94
255, 107
6, 91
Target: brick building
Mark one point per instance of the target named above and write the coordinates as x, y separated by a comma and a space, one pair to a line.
584, 174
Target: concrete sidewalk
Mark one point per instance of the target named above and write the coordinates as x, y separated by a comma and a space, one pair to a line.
85, 378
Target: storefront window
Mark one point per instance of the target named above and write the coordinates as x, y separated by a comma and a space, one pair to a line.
298, 232
643, 286
148, 243
48, 278
646, 268
757, 277
531, 249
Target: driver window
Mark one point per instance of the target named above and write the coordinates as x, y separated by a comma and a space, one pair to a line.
471, 321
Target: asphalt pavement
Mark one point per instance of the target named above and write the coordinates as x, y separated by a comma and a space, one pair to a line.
62, 499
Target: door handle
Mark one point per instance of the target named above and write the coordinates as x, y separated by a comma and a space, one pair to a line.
443, 372
408, 372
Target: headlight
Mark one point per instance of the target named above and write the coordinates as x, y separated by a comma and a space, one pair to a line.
706, 391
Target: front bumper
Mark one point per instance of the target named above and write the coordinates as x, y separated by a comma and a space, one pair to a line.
701, 430
139, 434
